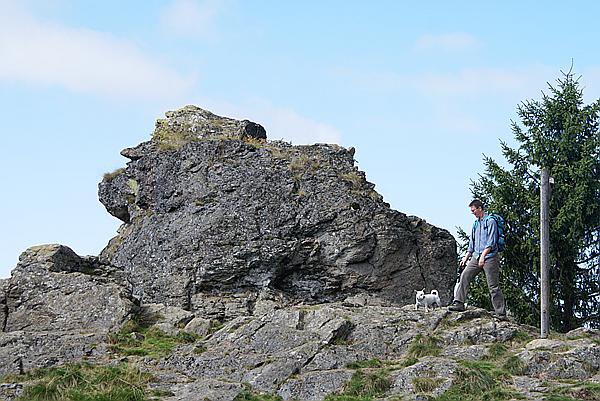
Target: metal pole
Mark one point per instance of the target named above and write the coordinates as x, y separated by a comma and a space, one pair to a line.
544, 252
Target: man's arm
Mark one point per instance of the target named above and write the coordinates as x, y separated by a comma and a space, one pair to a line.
490, 240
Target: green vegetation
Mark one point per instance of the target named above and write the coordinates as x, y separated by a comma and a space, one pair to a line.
108, 177
576, 392
562, 134
354, 178
479, 381
409, 362
424, 345
248, 395
301, 164
85, 382
521, 337
514, 365
364, 386
169, 139
137, 338
425, 384
371, 363
496, 350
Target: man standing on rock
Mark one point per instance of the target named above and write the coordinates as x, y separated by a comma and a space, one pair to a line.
483, 245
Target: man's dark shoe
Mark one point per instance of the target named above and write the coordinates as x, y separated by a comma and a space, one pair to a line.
501, 317
457, 306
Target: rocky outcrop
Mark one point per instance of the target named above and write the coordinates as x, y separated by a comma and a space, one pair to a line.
57, 307
210, 208
244, 265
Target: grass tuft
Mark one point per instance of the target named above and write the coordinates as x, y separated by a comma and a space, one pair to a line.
248, 395
496, 350
424, 346
108, 177
86, 382
371, 363
576, 392
479, 381
136, 338
364, 386
514, 365
425, 384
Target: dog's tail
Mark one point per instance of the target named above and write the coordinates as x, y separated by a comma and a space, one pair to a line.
434, 292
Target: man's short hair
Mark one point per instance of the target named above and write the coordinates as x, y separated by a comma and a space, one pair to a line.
477, 203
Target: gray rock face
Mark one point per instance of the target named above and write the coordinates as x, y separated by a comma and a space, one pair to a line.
211, 208
54, 289
57, 307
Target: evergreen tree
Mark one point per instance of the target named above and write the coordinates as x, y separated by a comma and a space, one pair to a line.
562, 134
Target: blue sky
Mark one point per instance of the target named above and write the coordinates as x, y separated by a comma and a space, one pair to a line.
421, 91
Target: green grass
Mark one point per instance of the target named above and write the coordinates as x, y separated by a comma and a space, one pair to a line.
424, 346
479, 381
409, 362
364, 386
85, 382
248, 395
576, 392
425, 384
371, 363
496, 350
169, 139
514, 365
136, 338
521, 337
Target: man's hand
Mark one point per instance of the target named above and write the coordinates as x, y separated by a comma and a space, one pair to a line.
481, 260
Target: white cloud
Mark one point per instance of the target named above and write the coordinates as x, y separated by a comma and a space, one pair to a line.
456, 41
471, 82
81, 60
192, 18
468, 82
280, 122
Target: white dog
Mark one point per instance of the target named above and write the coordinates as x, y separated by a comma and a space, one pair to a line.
429, 301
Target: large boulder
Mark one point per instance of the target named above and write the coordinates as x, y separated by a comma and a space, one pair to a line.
52, 288
209, 207
58, 307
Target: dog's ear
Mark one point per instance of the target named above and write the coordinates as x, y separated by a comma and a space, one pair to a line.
423, 289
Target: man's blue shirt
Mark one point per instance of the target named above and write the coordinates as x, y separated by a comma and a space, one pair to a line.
484, 235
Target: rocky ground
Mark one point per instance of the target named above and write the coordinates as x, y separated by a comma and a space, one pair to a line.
301, 352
